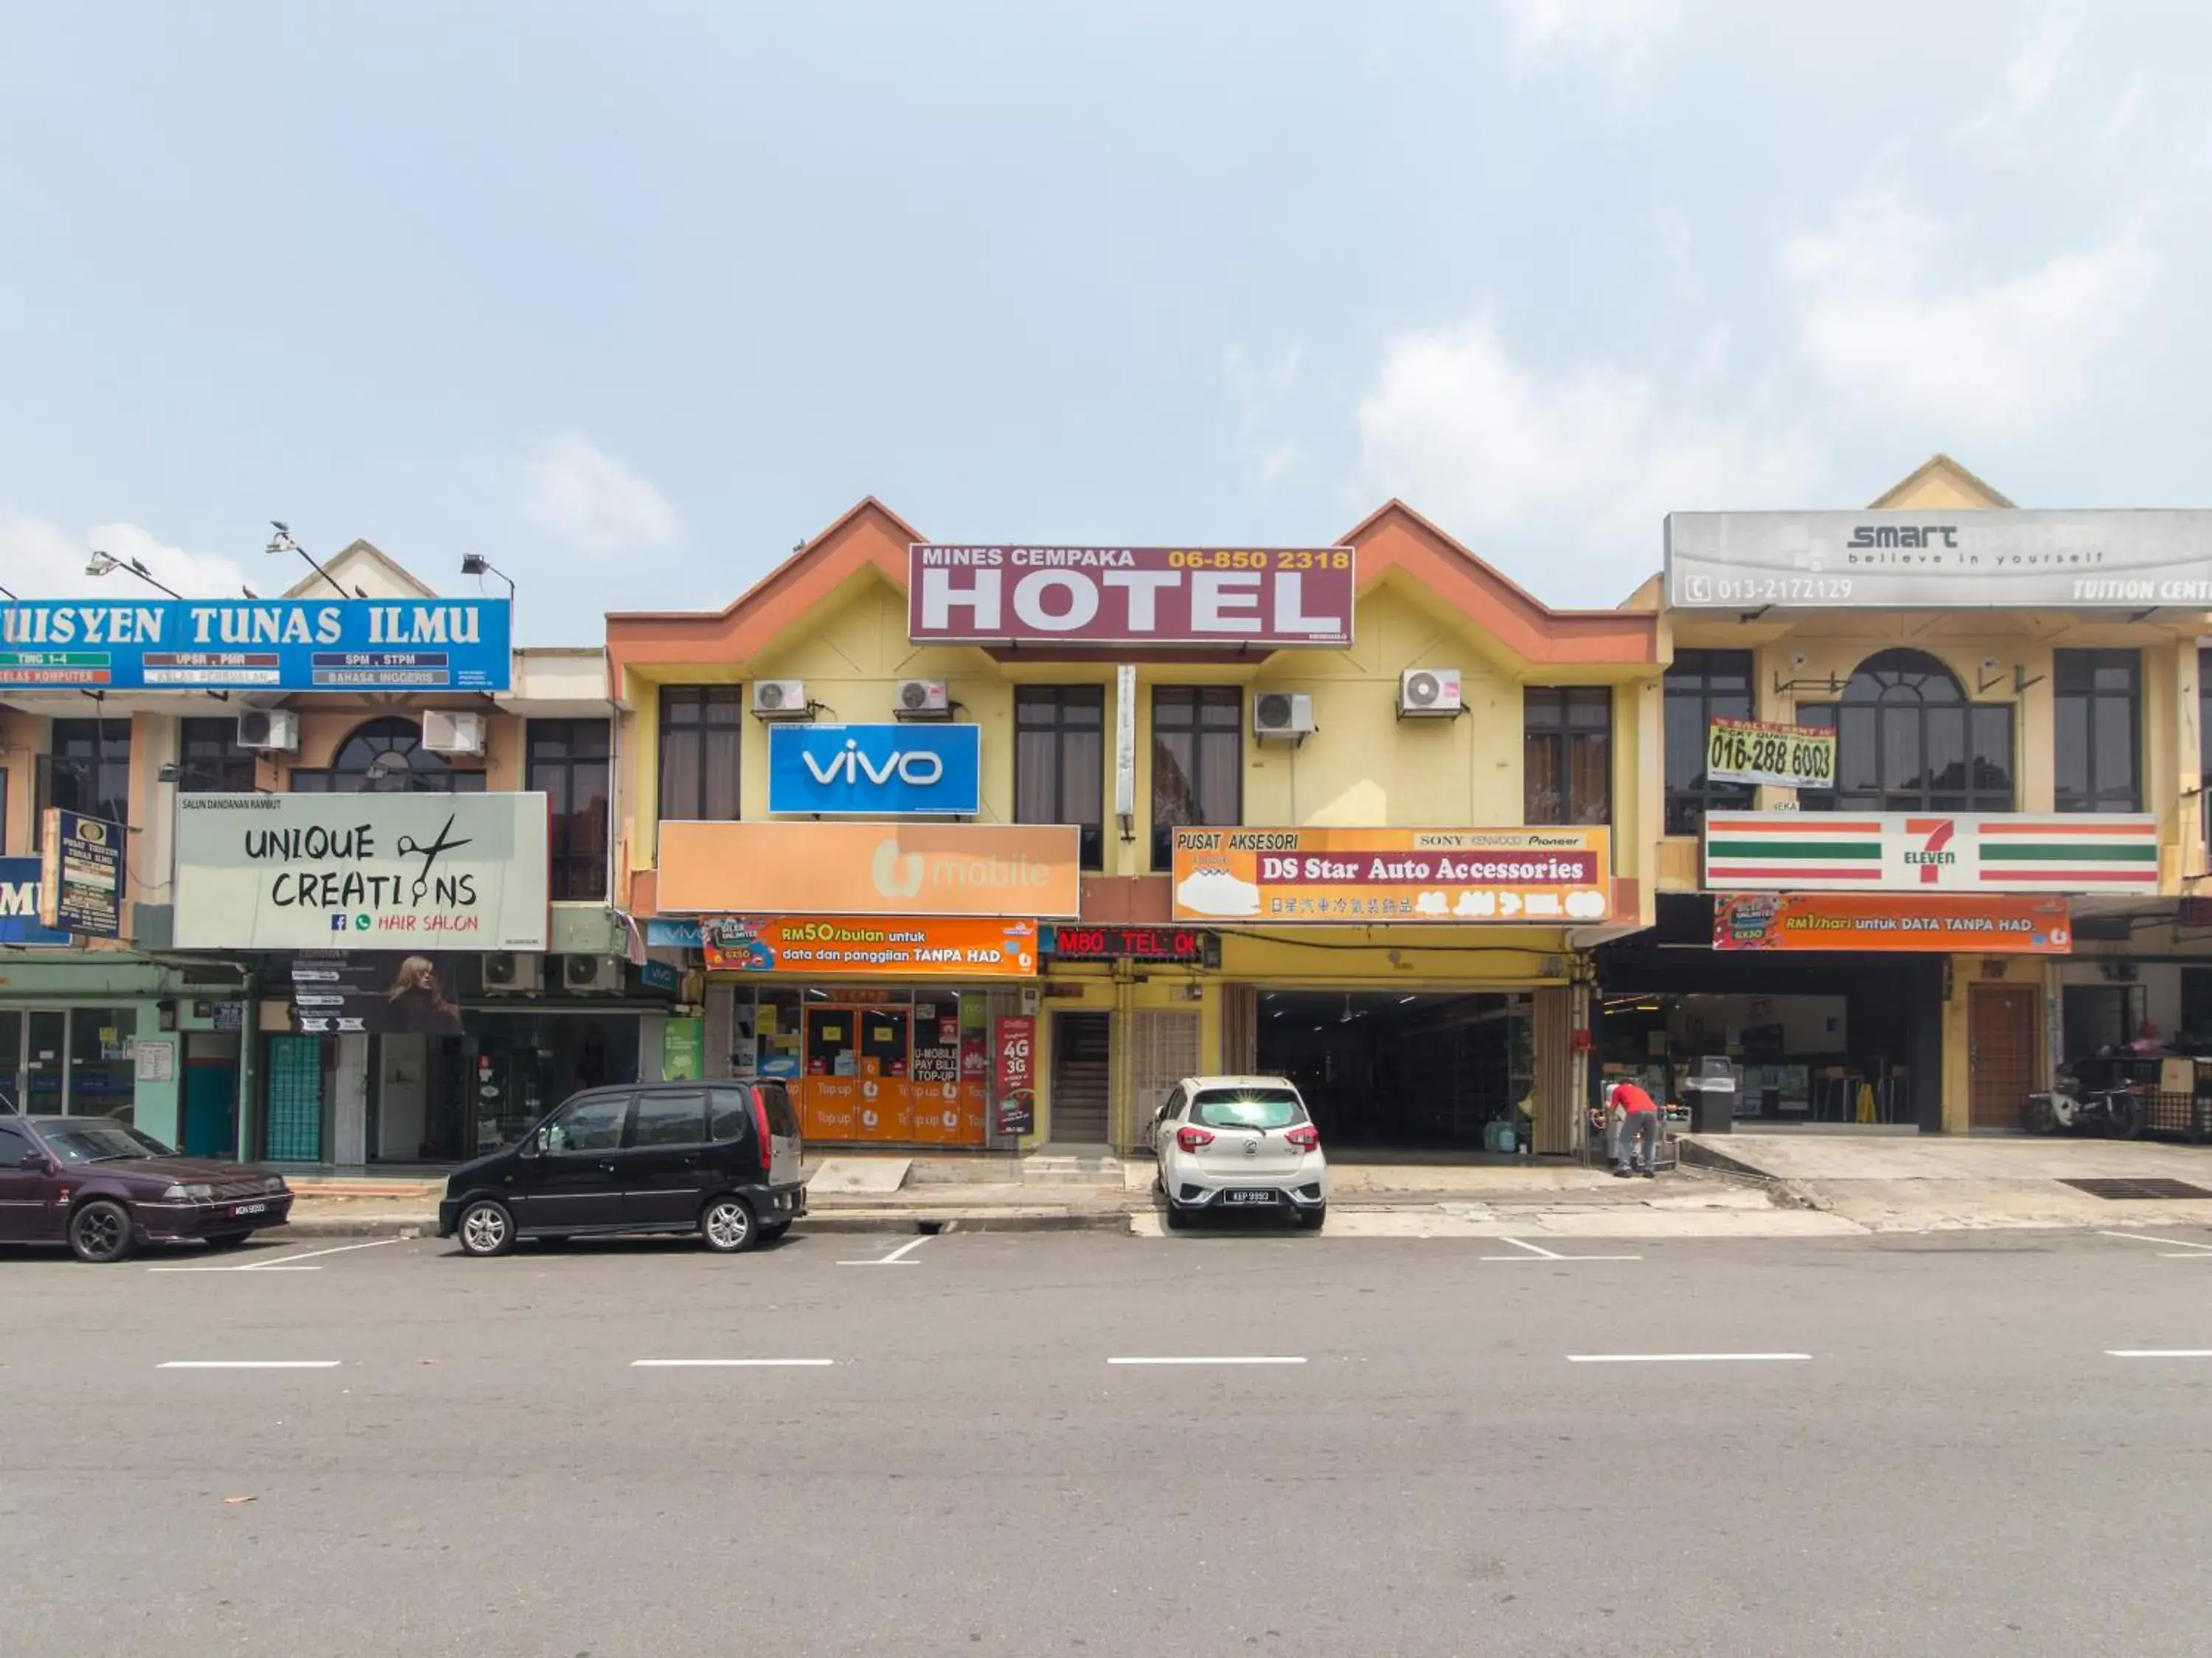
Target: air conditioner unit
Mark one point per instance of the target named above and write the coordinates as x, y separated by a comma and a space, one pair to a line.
922, 699
452, 733
1282, 714
1425, 690
273, 728
780, 699
592, 975
511, 972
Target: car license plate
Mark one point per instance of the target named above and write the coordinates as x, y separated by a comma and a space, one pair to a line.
1248, 1195
249, 1209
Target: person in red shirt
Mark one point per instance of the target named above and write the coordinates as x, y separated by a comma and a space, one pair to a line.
1636, 1141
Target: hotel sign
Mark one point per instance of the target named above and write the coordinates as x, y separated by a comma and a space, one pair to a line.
1939, 560
1955, 852
1126, 596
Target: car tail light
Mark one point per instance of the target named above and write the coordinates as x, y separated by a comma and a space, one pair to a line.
760, 1123
1193, 1139
1304, 1137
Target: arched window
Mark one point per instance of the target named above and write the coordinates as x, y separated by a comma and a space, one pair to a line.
1909, 740
386, 757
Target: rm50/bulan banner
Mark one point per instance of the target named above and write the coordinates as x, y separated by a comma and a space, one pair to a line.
320, 872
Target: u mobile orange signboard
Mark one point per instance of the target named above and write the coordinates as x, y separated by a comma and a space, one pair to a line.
1969, 923
1392, 875
870, 869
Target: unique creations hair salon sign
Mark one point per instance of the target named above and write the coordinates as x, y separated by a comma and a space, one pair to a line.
320, 872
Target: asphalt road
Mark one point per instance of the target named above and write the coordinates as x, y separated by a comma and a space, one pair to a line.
1474, 1456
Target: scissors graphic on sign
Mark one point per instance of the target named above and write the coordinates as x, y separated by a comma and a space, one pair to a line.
409, 847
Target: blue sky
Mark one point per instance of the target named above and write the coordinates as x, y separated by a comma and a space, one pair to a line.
632, 299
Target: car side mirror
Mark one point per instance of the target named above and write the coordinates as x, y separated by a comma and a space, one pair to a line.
37, 1161
535, 1145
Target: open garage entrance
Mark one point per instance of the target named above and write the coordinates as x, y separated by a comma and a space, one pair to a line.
1403, 1071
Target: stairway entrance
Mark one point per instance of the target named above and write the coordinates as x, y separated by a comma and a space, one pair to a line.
1081, 1083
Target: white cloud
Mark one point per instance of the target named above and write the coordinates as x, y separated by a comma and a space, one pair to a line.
39, 559
2042, 50
1997, 356
1614, 33
592, 502
1597, 457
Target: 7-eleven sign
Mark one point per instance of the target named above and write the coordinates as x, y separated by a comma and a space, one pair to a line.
1955, 852
1934, 854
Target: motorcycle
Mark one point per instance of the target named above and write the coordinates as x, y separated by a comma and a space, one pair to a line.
2068, 1108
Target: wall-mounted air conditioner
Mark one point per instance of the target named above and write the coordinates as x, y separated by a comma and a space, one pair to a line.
922, 699
780, 699
445, 733
275, 729
591, 975
1428, 691
1282, 714
511, 972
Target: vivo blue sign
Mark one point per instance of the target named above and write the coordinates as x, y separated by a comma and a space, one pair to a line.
19, 904
876, 770
239, 644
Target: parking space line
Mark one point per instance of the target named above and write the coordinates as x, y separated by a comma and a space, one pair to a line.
248, 1364
2180, 1245
1687, 1358
729, 1364
281, 1263
1536, 1252
897, 1258
1242, 1358
2157, 1352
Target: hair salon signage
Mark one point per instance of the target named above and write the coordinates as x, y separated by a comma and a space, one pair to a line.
1130, 596
389, 872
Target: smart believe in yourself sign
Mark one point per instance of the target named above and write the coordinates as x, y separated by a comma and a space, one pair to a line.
390, 872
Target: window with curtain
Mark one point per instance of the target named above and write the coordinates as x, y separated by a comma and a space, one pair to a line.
386, 757
1702, 687
1198, 762
2096, 706
1907, 740
568, 760
209, 760
700, 729
90, 768
1060, 761
1566, 754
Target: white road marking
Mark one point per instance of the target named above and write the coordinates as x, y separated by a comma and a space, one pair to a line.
727, 1365
247, 1364
2157, 1352
2179, 1248
1536, 1252
281, 1262
1687, 1358
896, 1258
1246, 1358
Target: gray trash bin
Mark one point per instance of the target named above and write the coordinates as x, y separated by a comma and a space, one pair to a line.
1711, 1094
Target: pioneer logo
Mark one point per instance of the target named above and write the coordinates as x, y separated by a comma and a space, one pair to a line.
1903, 535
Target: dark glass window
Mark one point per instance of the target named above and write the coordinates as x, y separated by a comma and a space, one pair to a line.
209, 760
700, 727
91, 768
1907, 740
1566, 754
386, 757
1198, 762
568, 761
2097, 731
1060, 761
1702, 687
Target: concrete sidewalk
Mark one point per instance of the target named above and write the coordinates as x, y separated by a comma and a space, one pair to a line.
1940, 1182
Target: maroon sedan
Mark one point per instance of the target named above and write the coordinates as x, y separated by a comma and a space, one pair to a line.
103, 1188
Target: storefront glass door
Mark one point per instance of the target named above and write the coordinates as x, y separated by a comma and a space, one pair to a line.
72, 1059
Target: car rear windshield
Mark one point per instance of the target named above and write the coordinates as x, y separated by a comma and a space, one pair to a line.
92, 1142
1248, 1108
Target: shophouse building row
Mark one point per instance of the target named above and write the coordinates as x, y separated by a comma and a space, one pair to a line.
225, 1011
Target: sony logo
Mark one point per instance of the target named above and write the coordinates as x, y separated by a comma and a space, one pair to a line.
1905, 535
849, 765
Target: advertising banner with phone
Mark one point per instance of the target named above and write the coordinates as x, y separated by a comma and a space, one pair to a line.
1788, 756
1014, 1040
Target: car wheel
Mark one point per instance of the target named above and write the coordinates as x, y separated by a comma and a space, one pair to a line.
485, 1228
771, 1230
228, 1239
1174, 1215
100, 1231
728, 1227
1311, 1219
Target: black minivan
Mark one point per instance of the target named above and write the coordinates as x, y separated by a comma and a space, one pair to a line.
718, 1158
